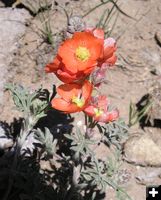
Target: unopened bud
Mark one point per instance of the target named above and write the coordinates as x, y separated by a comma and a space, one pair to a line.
75, 24
98, 76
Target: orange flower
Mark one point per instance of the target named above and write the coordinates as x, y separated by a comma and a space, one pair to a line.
109, 49
74, 97
99, 110
76, 57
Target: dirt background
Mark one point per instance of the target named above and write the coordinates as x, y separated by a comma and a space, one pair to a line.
137, 71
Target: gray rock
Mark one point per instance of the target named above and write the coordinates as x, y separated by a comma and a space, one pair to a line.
11, 30
142, 150
35, 5
152, 58
147, 175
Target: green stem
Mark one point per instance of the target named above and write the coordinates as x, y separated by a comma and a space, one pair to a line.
86, 120
105, 2
102, 3
93, 124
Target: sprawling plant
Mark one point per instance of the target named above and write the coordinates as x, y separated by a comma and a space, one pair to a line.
51, 159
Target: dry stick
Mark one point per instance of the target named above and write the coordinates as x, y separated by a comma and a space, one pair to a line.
121, 11
109, 1
107, 17
92, 9
112, 14
99, 24
34, 9
66, 14
131, 25
109, 33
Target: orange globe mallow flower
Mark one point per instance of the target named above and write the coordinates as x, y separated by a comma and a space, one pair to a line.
76, 57
99, 110
109, 47
74, 97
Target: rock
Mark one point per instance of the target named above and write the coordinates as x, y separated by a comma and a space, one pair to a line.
147, 175
12, 28
34, 6
142, 150
152, 59
155, 112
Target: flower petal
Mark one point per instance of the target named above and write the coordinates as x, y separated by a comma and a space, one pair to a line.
52, 67
93, 44
87, 90
89, 110
102, 102
112, 60
109, 116
83, 66
65, 77
67, 52
113, 115
68, 91
109, 47
64, 106
99, 33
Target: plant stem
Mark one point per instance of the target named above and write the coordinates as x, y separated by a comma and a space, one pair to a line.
86, 120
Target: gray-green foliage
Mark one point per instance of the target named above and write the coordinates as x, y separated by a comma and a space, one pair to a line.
23, 177
136, 115
47, 139
115, 133
113, 163
31, 104
76, 167
95, 172
80, 144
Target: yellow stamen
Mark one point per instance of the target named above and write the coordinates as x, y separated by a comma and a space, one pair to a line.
82, 53
79, 102
98, 112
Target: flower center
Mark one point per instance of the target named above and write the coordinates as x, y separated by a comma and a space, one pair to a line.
82, 53
98, 112
79, 102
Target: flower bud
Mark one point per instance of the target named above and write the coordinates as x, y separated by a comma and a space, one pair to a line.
99, 74
75, 24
